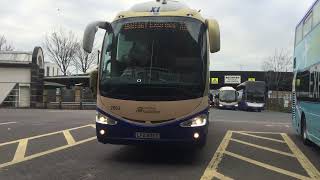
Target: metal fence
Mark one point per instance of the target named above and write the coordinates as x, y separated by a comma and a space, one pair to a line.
74, 98
21, 95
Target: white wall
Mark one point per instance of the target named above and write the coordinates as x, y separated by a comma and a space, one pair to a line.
21, 75
53, 69
9, 77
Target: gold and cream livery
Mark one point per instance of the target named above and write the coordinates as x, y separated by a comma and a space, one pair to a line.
154, 70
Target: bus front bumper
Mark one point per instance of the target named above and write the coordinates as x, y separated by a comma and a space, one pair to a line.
127, 133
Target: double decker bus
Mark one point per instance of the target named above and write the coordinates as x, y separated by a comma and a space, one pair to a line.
305, 90
152, 81
252, 95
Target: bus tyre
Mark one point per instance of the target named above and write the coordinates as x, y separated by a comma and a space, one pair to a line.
304, 136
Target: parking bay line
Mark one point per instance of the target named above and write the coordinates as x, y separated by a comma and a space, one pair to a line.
267, 166
45, 153
69, 137
303, 160
44, 135
264, 148
261, 137
22, 146
211, 170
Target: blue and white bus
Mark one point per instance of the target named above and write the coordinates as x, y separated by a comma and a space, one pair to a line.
152, 84
306, 96
252, 95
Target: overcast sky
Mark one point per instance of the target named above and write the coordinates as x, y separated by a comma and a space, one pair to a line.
250, 29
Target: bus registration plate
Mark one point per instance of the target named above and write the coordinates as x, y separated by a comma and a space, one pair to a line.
142, 135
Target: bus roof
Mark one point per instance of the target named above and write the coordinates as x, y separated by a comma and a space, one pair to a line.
251, 82
167, 6
227, 88
160, 8
307, 14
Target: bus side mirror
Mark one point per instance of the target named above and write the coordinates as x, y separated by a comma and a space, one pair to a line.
93, 82
90, 33
214, 35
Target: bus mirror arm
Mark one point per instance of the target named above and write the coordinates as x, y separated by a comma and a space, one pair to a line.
90, 33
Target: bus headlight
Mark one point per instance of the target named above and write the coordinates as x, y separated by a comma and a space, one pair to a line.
196, 122
236, 105
102, 119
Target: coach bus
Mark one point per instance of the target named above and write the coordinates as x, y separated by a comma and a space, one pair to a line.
306, 96
227, 98
152, 81
252, 95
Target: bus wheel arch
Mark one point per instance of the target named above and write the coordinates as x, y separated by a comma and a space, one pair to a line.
303, 130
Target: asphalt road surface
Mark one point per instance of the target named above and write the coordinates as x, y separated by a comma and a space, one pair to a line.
54, 144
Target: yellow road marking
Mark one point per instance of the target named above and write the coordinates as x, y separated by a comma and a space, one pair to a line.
260, 137
267, 166
221, 176
304, 161
44, 153
211, 169
262, 147
44, 135
21, 150
69, 137
252, 132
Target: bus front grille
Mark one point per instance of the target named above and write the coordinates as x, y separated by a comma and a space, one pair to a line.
149, 122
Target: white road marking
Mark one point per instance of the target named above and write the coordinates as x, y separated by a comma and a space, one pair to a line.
254, 122
277, 125
7, 123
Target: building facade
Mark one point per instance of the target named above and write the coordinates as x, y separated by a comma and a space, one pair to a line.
21, 78
276, 81
51, 70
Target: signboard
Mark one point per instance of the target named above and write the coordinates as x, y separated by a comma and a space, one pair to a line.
214, 80
232, 79
251, 79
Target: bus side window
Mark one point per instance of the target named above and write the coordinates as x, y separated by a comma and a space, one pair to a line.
105, 71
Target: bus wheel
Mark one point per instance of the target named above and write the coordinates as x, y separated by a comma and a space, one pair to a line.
304, 136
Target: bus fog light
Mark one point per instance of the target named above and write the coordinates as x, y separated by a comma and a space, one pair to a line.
196, 135
196, 122
102, 132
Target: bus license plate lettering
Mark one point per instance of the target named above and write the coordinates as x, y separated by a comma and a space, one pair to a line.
141, 135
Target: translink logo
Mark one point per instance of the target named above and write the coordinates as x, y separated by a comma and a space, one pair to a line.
155, 10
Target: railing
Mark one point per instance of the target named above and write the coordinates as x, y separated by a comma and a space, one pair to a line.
27, 95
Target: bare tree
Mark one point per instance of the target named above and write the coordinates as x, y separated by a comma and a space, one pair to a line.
280, 61
84, 61
61, 47
276, 67
4, 46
